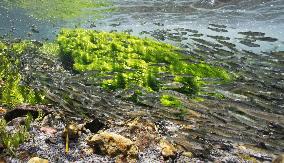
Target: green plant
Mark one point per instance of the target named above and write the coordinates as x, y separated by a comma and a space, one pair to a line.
170, 101
175, 103
11, 92
12, 139
128, 62
40, 115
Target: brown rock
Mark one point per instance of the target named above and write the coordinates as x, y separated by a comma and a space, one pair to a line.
279, 159
2, 111
2, 160
48, 130
88, 151
143, 132
114, 145
168, 150
37, 160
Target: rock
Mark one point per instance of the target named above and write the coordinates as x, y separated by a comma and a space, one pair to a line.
114, 145
23, 110
37, 160
88, 151
74, 130
2, 160
51, 140
1, 149
95, 125
279, 159
241, 147
48, 130
17, 121
2, 111
187, 154
168, 150
143, 132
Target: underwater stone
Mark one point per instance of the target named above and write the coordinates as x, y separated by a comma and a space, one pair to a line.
114, 145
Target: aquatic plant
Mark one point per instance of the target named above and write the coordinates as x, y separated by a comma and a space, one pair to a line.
128, 62
11, 91
60, 9
170, 101
174, 102
49, 48
11, 140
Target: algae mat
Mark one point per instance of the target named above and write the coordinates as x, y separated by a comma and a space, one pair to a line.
60, 9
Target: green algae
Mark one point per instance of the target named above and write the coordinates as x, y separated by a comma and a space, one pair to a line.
129, 62
60, 9
49, 48
11, 91
174, 102
170, 101
12, 140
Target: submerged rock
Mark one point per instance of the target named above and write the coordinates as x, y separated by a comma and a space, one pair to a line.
2, 111
37, 160
279, 159
168, 150
48, 130
114, 145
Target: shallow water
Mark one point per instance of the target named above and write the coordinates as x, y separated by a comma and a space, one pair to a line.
244, 36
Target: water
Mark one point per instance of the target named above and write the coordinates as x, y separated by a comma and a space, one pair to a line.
244, 36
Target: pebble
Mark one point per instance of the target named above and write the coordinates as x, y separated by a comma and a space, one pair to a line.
37, 160
48, 130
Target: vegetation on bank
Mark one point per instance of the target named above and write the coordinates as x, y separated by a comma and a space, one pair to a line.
12, 92
60, 9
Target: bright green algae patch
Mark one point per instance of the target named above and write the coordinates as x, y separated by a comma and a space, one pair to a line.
170, 101
60, 9
11, 91
130, 62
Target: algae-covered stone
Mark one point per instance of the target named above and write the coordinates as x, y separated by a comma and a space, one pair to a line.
124, 61
168, 150
143, 132
114, 145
